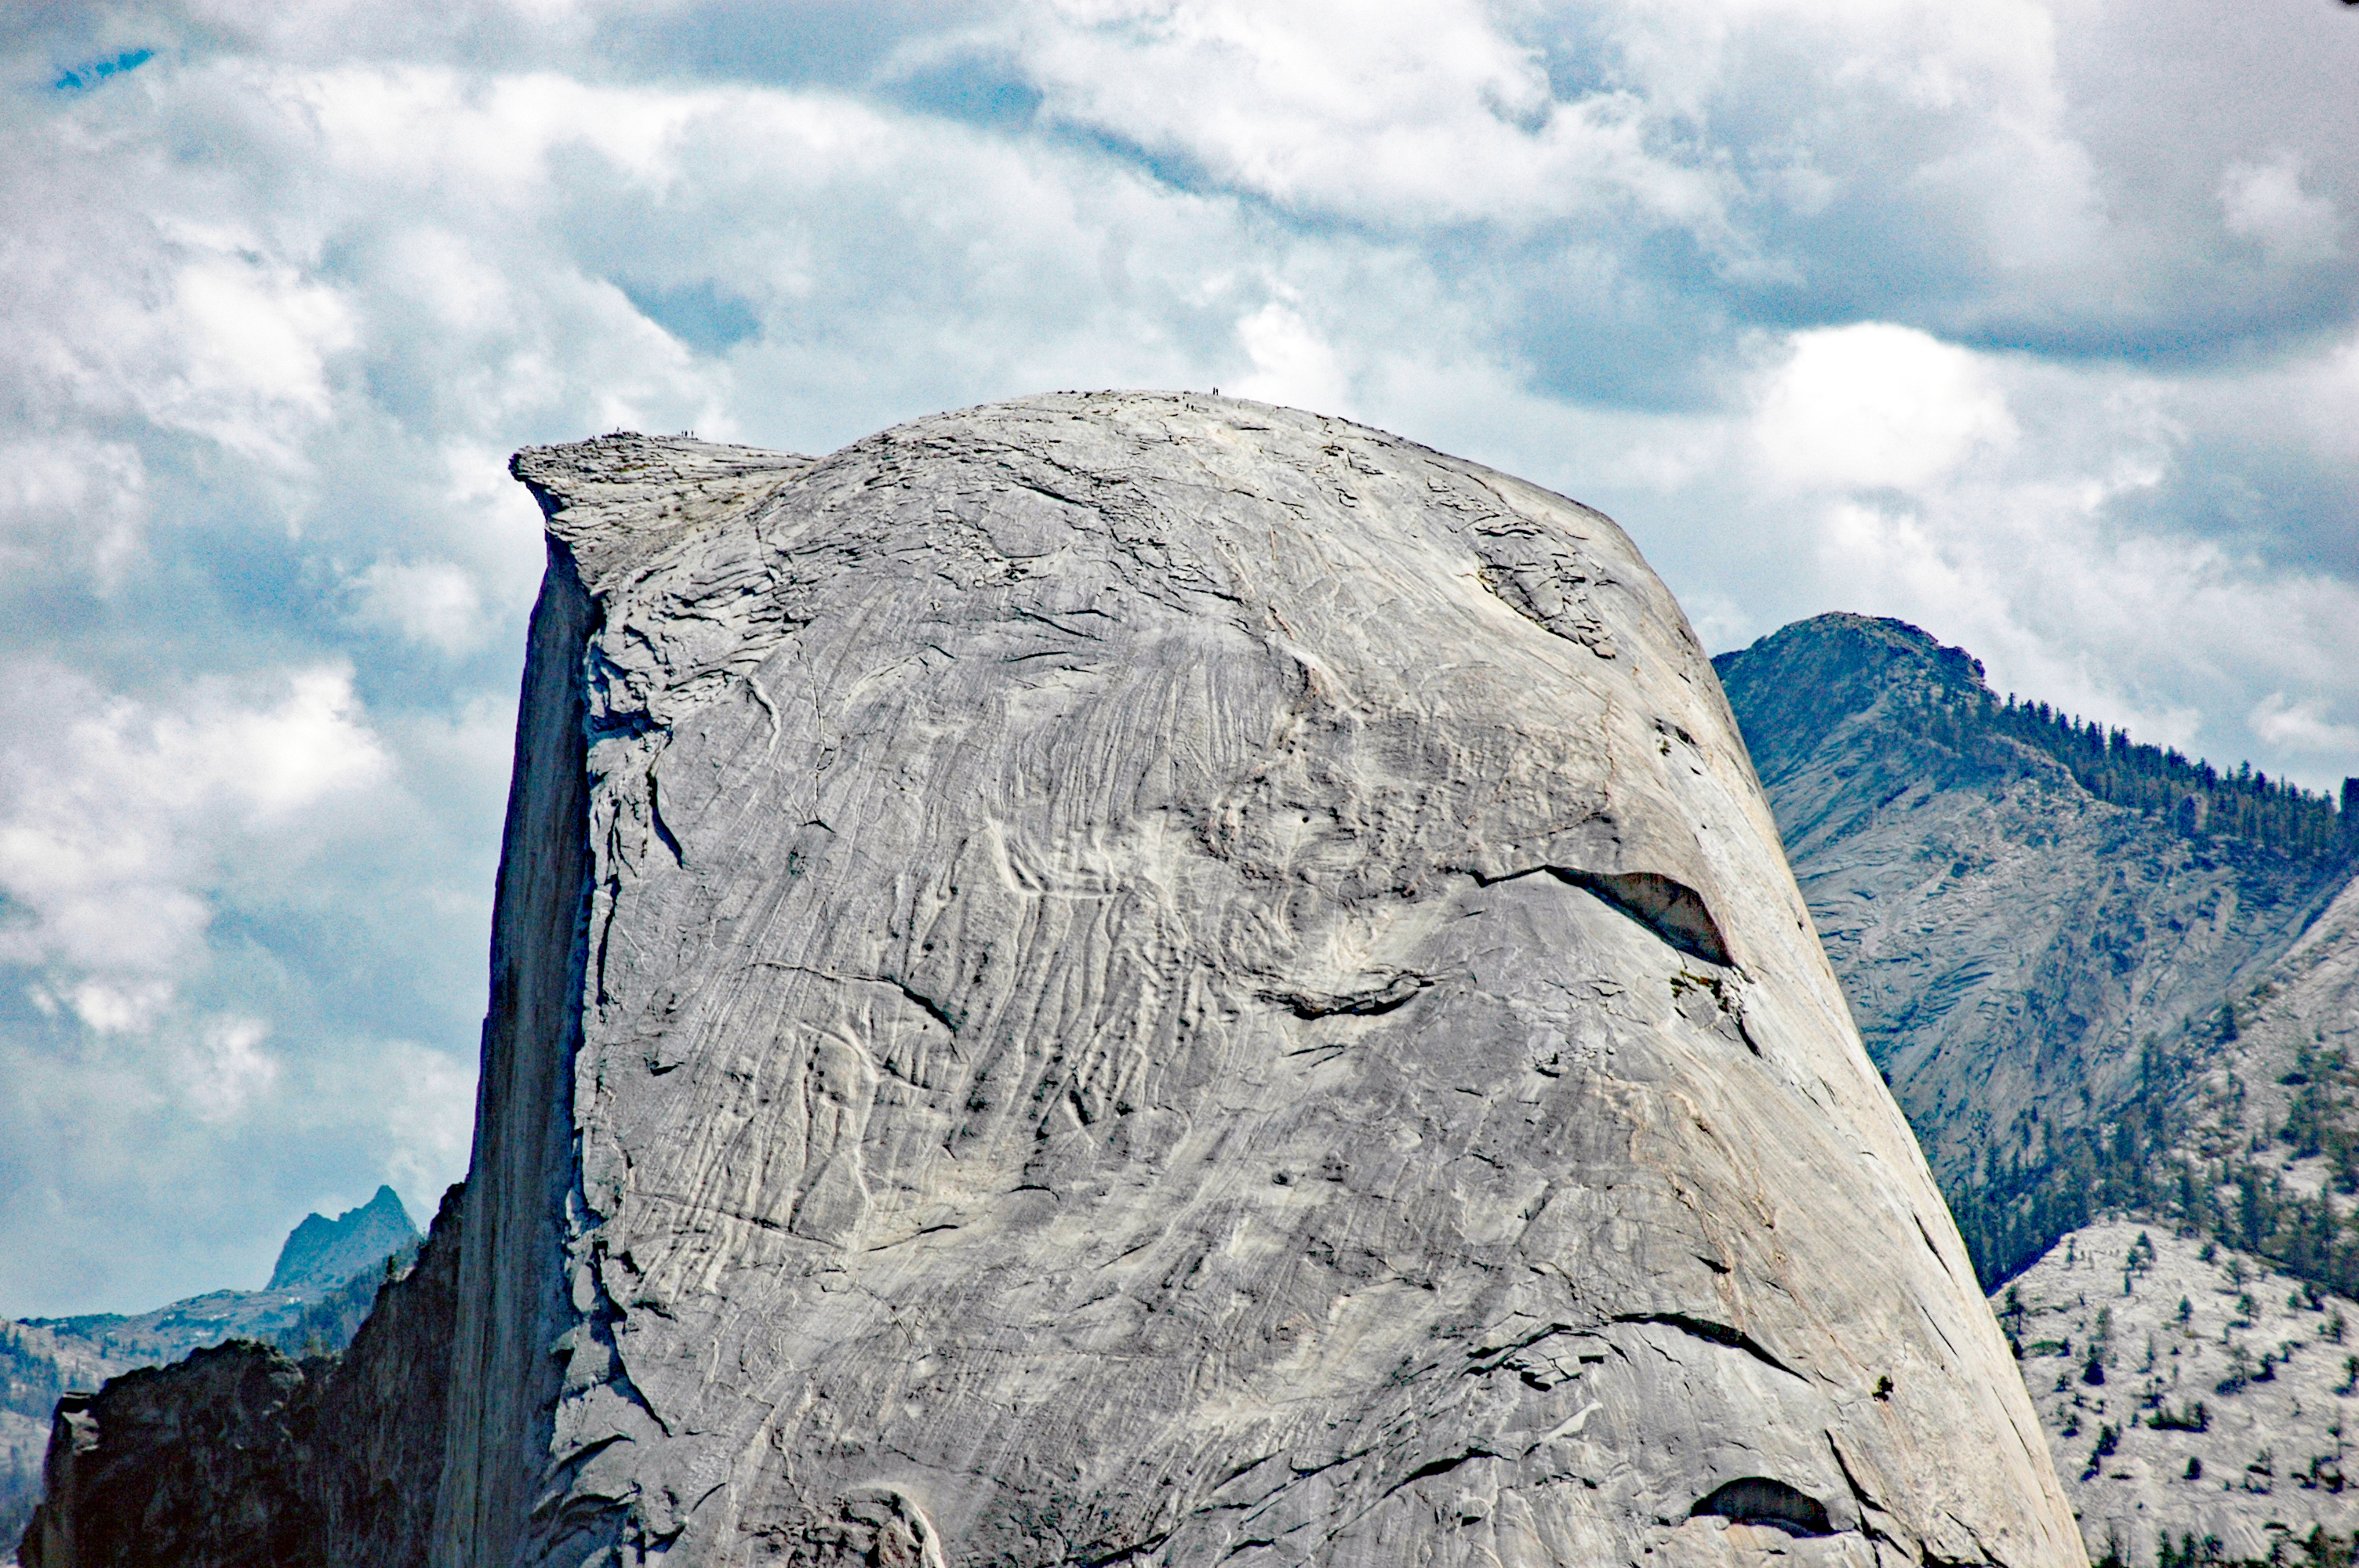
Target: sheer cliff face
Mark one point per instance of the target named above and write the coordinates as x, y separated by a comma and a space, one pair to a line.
1150, 977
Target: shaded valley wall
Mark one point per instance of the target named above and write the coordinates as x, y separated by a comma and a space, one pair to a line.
513, 1303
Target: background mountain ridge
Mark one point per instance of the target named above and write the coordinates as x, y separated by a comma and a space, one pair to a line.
327, 1279
2116, 992
2040, 970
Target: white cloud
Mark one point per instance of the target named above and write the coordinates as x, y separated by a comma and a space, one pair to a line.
1875, 406
429, 1106
112, 829
223, 1070
433, 602
1733, 271
254, 342
1292, 364
281, 759
120, 1007
2303, 727
71, 497
2018, 536
193, 889
2265, 202
1395, 114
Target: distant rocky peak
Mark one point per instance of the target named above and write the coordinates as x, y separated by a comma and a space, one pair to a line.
323, 1252
1796, 686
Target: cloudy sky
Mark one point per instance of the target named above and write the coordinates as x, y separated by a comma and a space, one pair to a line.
2033, 321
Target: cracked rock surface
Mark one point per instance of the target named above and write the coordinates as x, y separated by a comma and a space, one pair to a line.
1138, 978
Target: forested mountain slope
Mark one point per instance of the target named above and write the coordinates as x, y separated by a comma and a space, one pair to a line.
2199, 1406
2263, 1147
2220, 1424
2038, 922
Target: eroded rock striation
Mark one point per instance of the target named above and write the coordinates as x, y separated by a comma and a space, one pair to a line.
1145, 977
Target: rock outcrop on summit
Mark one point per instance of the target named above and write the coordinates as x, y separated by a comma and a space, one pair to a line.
1137, 979
1141, 978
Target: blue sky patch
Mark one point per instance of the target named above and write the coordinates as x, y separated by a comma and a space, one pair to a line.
699, 314
90, 76
976, 91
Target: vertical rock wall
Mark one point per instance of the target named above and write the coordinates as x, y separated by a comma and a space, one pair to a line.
1171, 980
523, 1309
512, 1302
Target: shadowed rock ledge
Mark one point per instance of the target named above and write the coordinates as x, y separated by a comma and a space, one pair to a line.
1144, 979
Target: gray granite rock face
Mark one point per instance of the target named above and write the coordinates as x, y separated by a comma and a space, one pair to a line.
1145, 978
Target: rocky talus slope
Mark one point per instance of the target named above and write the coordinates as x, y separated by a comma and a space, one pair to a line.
2191, 1394
2025, 958
1145, 979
